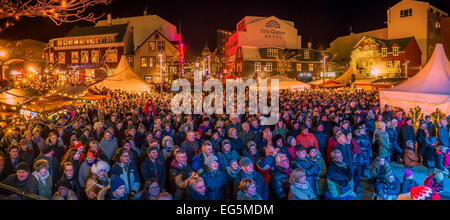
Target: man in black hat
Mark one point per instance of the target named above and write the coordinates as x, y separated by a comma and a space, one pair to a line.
408, 132
154, 167
47, 154
22, 181
248, 171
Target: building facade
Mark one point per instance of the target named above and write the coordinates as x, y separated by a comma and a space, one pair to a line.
445, 34
156, 55
87, 53
376, 57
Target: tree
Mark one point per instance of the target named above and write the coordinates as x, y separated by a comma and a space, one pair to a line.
59, 11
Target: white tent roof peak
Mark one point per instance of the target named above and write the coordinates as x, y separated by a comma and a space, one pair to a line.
434, 78
347, 76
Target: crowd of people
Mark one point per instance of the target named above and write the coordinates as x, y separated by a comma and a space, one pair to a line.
132, 147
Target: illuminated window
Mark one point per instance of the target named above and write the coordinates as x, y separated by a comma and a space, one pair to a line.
395, 50
75, 57
366, 47
51, 58
257, 66
95, 56
269, 66
289, 66
406, 13
111, 56
76, 41
397, 64
152, 45
151, 62
384, 52
84, 56
61, 57
306, 54
161, 46
311, 67
144, 62
389, 64
272, 52
373, 47
299, 67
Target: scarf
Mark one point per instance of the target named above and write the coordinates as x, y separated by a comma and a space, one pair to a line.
233, 173
42, 179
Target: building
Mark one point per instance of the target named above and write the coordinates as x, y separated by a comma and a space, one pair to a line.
419, 19
408, 18
222, 37
445, 34
376, 57
259, 32
86, 53
158, 55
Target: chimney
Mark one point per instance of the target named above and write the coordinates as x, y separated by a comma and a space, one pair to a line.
309, 45
109, 19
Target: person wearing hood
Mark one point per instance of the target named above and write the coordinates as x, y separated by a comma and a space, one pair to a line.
227, 154
116, 190
127, 170
279, 180
300, 188
21, 180
366, 150
153, 167
97, 180
196, 188
339, 178
389, 189
252, 152
167, 146
247, 171
216, 141
408, 181
216, 180
44, 179
64, 191
247, 190
435, 181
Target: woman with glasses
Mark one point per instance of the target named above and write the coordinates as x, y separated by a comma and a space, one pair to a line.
300, 188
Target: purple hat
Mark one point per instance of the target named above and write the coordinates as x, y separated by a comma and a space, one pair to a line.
408, 173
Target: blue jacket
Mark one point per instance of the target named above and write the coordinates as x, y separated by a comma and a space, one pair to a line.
408, 184
155, 170
408, 133
443, 136
322, 140
366, 147
261, 186
216, 183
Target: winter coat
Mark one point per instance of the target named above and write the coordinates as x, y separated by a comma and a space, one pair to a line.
45, 187
279, 183
107, 194
83, 173
94, 186
307, 141
110, 147
311, 168
346, 153
408, 184
322, 139
29, 185
388, 191
27, 156
53, 165
225, 158
236, 144
261, 186
194, 195
431, 129
265, 166
191, 150
443, 135
216, 183
301, 192
383, 142
332, 143
70, 196
10, 167
409, 158
340, 182
378, 173
129, 174
157, 170
242, 196
408, 133
74, 185
366, 147
245, 137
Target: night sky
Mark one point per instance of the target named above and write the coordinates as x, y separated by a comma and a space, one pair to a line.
318, 20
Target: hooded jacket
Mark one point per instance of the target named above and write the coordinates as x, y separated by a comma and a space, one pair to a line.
157, 170
216, 183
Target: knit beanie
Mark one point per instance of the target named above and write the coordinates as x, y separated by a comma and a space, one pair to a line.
210, 159
424, 193
408, 173
232, 161
116, 182
290, 139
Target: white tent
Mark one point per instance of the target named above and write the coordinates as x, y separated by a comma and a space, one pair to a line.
347, 76
124, 79
429, 89
288, 83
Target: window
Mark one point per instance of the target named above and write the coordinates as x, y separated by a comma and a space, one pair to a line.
152, 45
51, 58
61, 57
75, 57
406, 13
366, 47
289, 66
311, 67
384, 52
84, 56
272, 52
306, 54
55, 43
239, 67
397, 64
389, 64
151, 61
299, 67
144, 62
169, 59
161, 46
257, 66
269, 66
395, 49
111, 56
95, 56
373, 47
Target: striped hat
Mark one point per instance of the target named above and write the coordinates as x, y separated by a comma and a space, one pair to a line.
424, 193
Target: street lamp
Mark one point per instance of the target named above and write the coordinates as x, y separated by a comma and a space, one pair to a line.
160, 63
324, 66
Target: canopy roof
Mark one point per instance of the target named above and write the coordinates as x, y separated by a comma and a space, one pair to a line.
124, 79
347, 76
288, 83
429, 89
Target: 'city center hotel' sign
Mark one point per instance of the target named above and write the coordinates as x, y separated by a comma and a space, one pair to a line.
271, 33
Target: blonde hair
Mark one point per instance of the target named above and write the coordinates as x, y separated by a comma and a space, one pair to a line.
245, 184
296, 175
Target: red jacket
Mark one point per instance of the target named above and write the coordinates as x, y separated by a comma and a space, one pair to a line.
307, 141
332, 143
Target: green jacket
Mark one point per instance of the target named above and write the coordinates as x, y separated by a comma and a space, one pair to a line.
334, 189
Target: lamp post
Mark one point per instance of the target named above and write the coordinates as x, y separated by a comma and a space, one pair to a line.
324, 66
160, 67
406, 68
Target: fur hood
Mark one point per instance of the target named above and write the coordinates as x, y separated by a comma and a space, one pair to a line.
71, 196
99, 166
166, 138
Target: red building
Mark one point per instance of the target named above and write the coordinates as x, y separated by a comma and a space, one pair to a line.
445, 34
86, 52
391, 58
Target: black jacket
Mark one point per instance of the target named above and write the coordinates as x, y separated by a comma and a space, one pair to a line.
261, 186
280, 184
10, 168
216, 184
30, 185
155, 170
